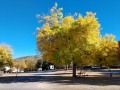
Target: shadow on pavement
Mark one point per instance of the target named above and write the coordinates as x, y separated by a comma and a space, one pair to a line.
64, 80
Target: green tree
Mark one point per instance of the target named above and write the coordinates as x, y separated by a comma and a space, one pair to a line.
39, 63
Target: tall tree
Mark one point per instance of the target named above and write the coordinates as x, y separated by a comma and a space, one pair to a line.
107, 52
69, 39
84, 38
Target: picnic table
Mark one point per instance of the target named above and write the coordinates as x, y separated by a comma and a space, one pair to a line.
82, 73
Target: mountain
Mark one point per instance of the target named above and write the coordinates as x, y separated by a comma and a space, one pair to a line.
36, 57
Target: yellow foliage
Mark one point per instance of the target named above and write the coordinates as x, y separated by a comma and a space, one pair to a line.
78, 40
5, 57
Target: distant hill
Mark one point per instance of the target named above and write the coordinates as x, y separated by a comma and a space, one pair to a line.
36, 57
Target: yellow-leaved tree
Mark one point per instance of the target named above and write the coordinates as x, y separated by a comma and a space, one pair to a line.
107, 51
84, 38
65, 40
6, 55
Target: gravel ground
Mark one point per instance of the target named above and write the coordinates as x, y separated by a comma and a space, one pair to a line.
59, 80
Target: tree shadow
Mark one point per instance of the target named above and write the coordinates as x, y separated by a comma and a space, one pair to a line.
63, 80
24, 79
44, 74
103, 81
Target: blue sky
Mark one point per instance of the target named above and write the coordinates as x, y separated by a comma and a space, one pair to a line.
18, 20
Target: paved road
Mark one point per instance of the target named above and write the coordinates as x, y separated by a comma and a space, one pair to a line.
60, 80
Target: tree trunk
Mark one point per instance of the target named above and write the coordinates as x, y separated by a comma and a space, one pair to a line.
66, 67
17, 73
74, 69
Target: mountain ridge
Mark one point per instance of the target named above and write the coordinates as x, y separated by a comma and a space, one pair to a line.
34, 57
